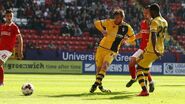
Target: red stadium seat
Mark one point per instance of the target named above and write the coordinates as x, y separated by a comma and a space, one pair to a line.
25, 41
54, 37
44, 46
91, 39
61, 38
35, 37
40, 41
83, 43
79, 38
86, 34
84, 38
46, 41
71, 42
73, 38
66, 38
76, 43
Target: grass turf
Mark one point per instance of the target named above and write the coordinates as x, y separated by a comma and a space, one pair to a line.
74, 89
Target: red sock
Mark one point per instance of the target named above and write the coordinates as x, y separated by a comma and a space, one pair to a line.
149, 77
132, 71
1, 75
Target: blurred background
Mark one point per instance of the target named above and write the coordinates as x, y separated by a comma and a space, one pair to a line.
63, 29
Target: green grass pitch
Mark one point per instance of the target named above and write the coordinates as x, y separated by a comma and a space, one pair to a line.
74, 89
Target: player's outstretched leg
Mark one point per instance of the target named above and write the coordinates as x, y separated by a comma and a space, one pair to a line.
151, 83
1, 73
1, 76
129, 84
141, 80
132, 71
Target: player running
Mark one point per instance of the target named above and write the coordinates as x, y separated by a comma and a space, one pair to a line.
155, 47
8, 33
144, 36
114, 32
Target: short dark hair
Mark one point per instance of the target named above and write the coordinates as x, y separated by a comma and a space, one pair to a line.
155, 7
119, 12
8, 11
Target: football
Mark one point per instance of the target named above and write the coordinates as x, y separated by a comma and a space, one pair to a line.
27, 89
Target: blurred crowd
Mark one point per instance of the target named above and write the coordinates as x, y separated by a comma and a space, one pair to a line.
77, 16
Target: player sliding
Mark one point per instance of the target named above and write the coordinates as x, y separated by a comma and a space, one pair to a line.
8, 33
155, 47
114, 32
144, 36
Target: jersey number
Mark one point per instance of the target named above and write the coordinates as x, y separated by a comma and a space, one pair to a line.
162, 31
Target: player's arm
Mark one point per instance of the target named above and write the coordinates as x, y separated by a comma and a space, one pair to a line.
154, 40
20, 43
101, 26
138, 36
20, 46
153, 30
130, 35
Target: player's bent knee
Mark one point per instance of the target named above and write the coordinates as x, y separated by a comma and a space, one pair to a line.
105, 65
139, 68
1, 63
132, 61
98, 69
132, 64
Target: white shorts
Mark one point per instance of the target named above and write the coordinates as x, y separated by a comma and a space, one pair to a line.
4, 55
138, 53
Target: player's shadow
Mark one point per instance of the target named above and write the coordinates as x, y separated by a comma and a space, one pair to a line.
116, 97
122, 95
172, 85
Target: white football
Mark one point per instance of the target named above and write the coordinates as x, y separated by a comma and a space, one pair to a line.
27, 89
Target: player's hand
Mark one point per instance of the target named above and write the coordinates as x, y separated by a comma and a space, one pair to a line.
104, 32
158, 54
124, 42
20, 55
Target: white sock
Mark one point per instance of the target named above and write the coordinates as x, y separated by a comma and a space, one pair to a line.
151, 82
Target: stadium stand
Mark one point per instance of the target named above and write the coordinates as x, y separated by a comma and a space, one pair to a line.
68, 24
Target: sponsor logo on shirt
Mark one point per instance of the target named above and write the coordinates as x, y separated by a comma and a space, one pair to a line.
5, 33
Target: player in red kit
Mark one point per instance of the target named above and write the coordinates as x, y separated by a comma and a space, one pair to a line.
144, 36
8, 34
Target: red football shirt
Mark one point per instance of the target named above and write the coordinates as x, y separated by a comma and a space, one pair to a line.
145, 31
8, 35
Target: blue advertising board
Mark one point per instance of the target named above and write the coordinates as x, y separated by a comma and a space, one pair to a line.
174, 68
32, 54
89, 67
